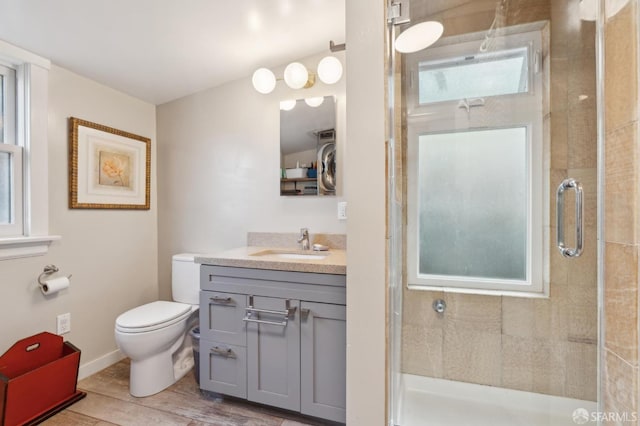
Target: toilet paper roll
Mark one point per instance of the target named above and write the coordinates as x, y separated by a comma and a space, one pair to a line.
54, 285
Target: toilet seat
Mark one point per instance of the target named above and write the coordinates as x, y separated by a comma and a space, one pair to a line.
152, 316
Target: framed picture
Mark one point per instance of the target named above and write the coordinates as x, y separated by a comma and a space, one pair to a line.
109, 168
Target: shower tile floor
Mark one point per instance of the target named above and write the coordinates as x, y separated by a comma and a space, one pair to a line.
108, 402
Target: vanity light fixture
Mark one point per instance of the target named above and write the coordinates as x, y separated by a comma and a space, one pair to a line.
287, 105
297, 76
314, 102
419, 36
330, 70
263, 80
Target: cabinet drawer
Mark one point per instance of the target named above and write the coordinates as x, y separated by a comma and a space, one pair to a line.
221, 317
223, 368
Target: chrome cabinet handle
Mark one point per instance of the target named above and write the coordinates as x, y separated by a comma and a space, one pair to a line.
221, 300
248, 318
564, 250
227, 353
288, 313
304, 314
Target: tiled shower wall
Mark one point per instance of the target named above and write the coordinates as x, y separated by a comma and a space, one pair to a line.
540, 345
620, 378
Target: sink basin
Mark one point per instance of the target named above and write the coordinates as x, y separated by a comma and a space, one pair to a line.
291, 254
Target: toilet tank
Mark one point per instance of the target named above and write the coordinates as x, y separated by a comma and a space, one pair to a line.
185, 279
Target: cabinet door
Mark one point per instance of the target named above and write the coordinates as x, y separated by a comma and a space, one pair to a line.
221, 317
323, 346
273, 352
223, 368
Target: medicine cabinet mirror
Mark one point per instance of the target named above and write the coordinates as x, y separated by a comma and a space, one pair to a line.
308, 147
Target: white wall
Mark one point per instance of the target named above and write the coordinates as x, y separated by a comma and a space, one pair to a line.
219, 170
111, 253
303, 157
365, 180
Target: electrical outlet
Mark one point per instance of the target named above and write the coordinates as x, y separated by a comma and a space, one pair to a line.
342, 210
64, 323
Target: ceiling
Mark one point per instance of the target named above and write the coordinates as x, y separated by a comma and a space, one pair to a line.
161, 50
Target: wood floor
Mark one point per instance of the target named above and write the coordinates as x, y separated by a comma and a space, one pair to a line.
108, 402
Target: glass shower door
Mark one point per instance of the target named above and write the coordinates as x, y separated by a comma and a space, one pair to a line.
490, 322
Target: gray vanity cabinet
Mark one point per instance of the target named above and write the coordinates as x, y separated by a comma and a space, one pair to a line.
275, 337
273, 354
323, 340
223, 341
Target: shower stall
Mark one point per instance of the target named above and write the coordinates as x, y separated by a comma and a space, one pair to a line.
494, 197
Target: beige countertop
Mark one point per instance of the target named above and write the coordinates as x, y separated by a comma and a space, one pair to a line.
335, 261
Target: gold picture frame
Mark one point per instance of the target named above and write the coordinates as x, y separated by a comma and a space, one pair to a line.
108, 168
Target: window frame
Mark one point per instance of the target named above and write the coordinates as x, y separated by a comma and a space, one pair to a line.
513, 110
31, 130
11, 146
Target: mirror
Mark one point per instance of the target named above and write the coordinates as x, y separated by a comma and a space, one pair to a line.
308, 147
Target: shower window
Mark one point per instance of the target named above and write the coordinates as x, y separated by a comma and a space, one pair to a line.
475, 170
473, 76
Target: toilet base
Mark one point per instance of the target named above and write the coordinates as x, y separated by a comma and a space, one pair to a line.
151, 375
154, 374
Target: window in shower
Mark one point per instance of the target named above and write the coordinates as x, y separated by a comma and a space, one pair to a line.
475, 172
473, 76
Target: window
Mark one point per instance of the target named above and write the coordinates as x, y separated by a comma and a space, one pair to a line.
10, 158
23, 147
481, 74
475, 171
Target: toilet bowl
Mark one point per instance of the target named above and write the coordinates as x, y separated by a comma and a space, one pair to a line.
152, 335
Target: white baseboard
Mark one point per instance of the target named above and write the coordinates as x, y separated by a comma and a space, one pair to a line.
101, 363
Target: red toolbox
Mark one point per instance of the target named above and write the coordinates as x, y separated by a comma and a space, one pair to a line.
38, 377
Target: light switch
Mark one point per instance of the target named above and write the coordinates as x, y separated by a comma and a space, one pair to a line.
342, 210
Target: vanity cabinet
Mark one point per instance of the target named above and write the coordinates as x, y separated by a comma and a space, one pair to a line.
273, 353
323, 361
223, 343
275, 337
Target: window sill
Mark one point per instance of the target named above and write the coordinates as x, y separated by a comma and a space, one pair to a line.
17, 247
544, 294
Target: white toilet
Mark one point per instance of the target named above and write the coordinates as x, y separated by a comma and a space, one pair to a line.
152, 335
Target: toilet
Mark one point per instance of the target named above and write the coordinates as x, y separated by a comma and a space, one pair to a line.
153, 335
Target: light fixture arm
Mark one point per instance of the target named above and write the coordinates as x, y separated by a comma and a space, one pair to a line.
336, 47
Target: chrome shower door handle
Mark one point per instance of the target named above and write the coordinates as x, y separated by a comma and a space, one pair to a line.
564, 250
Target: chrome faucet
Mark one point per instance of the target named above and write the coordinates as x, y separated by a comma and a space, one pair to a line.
304, 238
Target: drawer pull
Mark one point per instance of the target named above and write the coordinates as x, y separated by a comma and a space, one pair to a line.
227, 353
221, 300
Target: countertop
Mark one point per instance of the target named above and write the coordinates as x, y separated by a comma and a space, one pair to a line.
246, 257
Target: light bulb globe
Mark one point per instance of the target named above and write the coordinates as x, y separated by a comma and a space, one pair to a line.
314, 102
264, 81
287, 105
296, 75
330, 70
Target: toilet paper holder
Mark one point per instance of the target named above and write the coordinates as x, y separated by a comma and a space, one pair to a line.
48, 270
